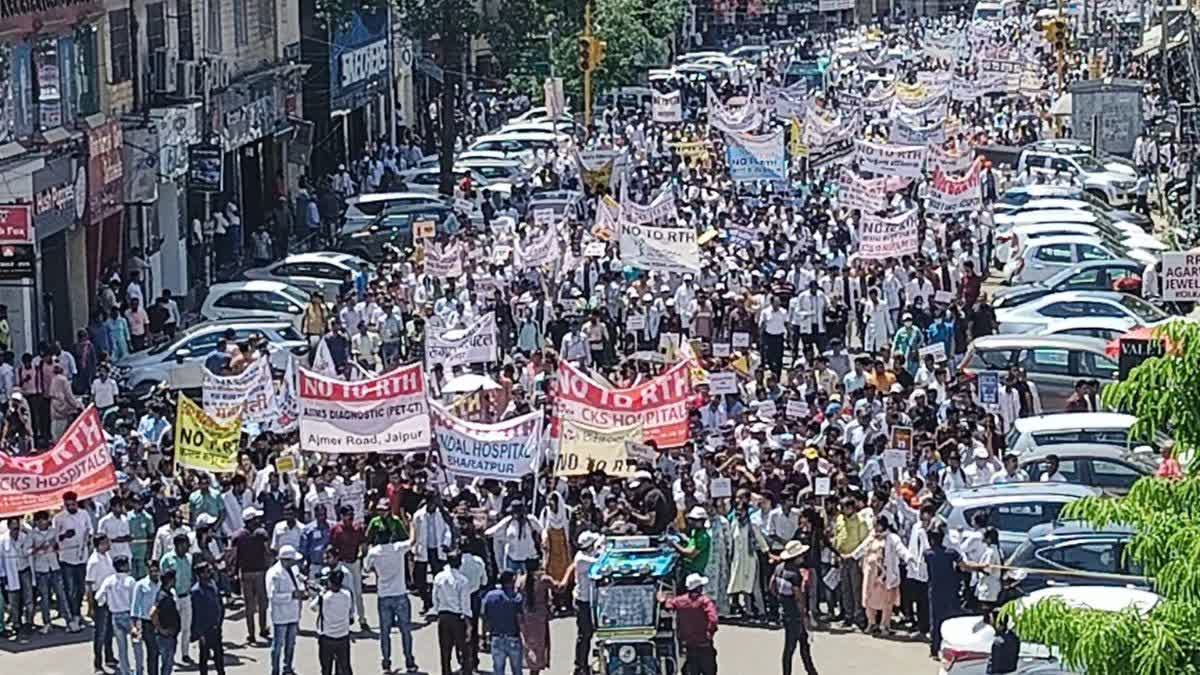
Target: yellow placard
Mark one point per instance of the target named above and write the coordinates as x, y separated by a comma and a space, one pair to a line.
287, 463
584, 449
201, 443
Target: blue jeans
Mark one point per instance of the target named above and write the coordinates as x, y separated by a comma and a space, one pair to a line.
121, 626
507, 649
73, 584
47, 581
395, 610
166, 652
283, 641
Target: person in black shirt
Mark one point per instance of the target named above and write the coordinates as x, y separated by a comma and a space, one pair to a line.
788, 585
657, 510
1006, 650
165, 618
943, 566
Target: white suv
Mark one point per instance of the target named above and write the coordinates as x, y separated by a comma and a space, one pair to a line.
1116, 188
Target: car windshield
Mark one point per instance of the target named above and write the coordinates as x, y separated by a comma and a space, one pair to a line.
1087, 163
1144, 311
294, 295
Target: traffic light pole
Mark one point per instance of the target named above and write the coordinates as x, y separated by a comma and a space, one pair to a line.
587, 71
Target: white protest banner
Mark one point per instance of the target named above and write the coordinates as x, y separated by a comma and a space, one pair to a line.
965, 89
888, 237
660, 249
890, 160
249, 394
822, 486
544, 217
539, 249
661, 208
942, 297
741, 340
894, 461
668, 108
445, 264
937, 350
1181, 276
796, 407
999, 77
948, 160
731, 119
948, 195
767, 409
720, 349
661, 404
594, 249
867, 194
474, 344
506, 450
388, 413
635, 322
722, 383
584, 448
905, 133
608, 219
757, 157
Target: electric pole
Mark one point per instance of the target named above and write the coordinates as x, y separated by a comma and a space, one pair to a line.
586, 43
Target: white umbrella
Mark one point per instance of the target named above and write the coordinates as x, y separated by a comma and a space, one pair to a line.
469, 384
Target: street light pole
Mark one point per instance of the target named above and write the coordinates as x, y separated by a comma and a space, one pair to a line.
587, 72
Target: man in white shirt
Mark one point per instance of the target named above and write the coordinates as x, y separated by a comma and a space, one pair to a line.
73, 528
431, 529
16, 563
1012, 473
285, 591
387, 559
585, 557
980, 471
773, 323
1052, 474
287, 531
335, 615
115, 526
452, 604
99, 569
104, 389
116, 594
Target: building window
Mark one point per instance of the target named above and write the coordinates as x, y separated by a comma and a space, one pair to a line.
213, 39
240, 37
183, 11
119, 52
48, 90
87, 69
266, 20
156, 27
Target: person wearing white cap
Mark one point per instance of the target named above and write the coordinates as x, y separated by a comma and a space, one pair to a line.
285, 592
585, 557
695, 625
249, 551
790, 583
981, 471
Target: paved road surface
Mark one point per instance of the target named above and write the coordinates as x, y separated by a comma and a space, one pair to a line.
740, 650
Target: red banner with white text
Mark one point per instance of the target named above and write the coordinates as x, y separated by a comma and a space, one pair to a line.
659, 405
79, 462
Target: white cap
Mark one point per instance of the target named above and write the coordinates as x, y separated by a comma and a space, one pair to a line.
980, 453
205, 520
695, 580
289, 552
250, 513
587, 539
697, 513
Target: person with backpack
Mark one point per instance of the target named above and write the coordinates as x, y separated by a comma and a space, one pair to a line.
787, 585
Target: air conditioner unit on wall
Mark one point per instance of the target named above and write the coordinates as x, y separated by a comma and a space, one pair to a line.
163, 71
187, 80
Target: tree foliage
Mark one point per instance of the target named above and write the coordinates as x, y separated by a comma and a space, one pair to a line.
638, 33
1164, 393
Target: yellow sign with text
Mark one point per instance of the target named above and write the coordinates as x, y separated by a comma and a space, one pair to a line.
584, 449
201, 443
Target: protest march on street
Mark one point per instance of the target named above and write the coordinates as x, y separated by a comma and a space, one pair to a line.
806, 331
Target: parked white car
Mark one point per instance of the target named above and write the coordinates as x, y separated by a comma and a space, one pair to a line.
255, 299
1035, 316
1103, 327
1059, 212
1018, 237
1094, 428
180, 362
323, 271
967, 640
1044, 257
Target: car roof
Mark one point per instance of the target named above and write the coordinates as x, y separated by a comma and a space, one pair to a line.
317, 256
1024, 341
1009, 492
1040, 216
1077, 528
1069, 450
1109, 322
1064, 239
389, 196
223, 324
249, 285
1074, 420
1071, 296
1101, 598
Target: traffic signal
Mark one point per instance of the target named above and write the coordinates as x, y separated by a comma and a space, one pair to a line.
598, 50
585, 54
1055, 31
1050, 31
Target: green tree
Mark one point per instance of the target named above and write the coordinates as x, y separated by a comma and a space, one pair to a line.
638, 33
1164, 394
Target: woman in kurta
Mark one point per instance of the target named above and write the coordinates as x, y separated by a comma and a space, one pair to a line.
717, 570
556, 521
881, 554
118, 332
535, 620
746, 541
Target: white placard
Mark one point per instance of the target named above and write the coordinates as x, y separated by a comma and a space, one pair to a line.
722, 383
720, 487
894, 460
796, 408
822, 486
767, 409
938, 349
720, 349
943, 297
1180, 276
741, 340
635, 322
594, 250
